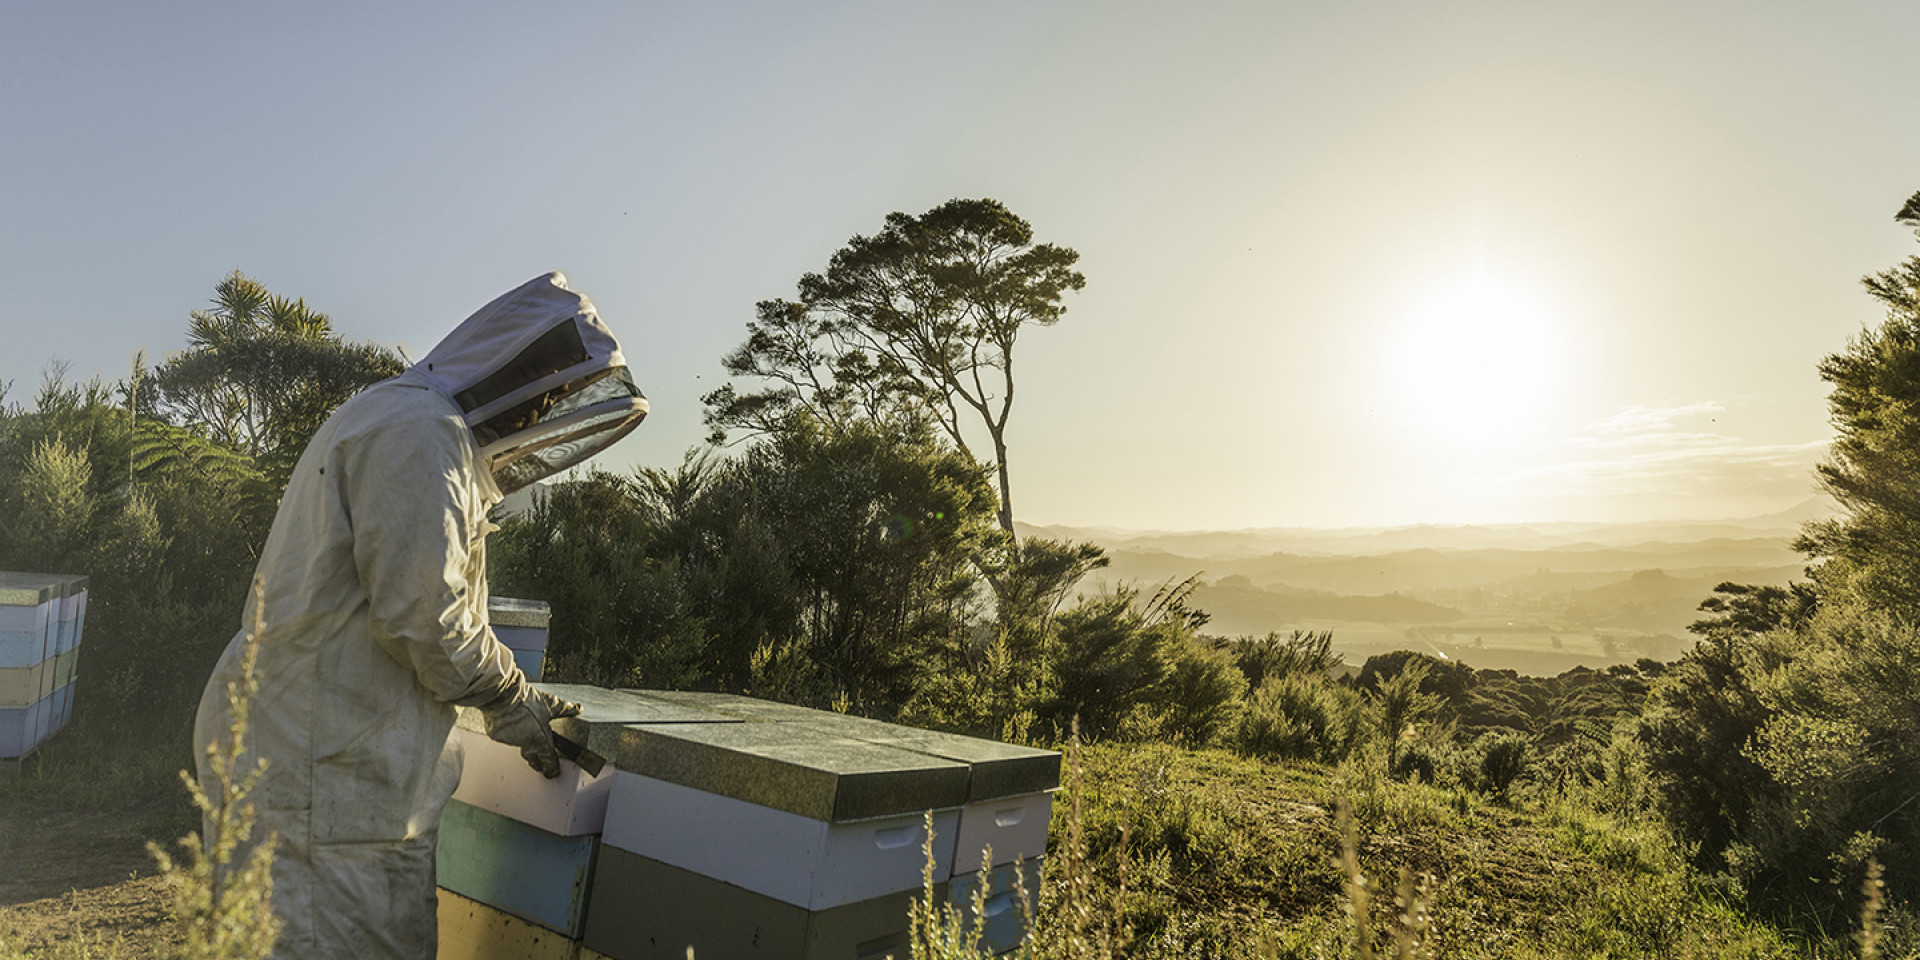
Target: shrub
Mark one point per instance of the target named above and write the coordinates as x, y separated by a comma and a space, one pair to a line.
1302, 718
1204, 694
1417, 761
1504, 759
1300, 653
1105, 661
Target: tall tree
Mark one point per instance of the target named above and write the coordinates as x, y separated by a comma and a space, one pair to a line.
918, 320
1873, 468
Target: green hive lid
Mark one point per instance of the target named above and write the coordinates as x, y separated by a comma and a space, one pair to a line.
795, 767
602, 713
744, 708
33, 589
998, 769
509, 612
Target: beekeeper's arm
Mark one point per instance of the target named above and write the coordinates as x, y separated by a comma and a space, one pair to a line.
416, 511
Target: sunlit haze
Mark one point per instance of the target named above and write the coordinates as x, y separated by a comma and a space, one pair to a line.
1347, 264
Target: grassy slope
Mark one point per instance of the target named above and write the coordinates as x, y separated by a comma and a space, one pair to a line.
1227, 858
1231, 858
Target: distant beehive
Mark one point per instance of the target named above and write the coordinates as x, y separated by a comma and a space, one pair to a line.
522, 626
736, 826
41, 619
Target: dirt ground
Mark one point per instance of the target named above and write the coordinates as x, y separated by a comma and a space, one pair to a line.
75, 877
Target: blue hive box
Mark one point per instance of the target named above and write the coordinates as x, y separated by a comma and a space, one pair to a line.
522, 626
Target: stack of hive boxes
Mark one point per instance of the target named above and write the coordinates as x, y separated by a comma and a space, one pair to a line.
41, 619
738, 827
800, 833
517, 852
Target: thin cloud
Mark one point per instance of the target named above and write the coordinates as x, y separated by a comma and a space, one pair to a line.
1726, 468
1637, 420
1671, 452
1650, 427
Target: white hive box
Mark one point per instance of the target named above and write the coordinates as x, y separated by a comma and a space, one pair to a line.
41, 618
786, 810
799, 833
1009, 788
764, 839
1009, 800
495, 778
812, 864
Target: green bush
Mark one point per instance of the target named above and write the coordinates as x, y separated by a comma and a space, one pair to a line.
1301, 652
1504, 759
1203, 694
1419, 762
1104, 662
1302, 718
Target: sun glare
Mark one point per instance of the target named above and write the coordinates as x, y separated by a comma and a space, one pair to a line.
1478, 364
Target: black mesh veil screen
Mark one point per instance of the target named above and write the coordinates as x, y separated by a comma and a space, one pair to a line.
552, 352
546, 453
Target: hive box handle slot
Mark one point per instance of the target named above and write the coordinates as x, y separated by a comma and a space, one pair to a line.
896, 837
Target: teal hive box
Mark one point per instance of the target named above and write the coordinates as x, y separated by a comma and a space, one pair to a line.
522, 625
647, 910
516, 868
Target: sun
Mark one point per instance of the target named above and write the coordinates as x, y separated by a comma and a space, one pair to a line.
1479, 364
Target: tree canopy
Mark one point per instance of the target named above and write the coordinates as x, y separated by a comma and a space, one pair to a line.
918, 321
263, 371
161, 488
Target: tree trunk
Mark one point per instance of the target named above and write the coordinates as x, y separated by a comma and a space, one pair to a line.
1006, 489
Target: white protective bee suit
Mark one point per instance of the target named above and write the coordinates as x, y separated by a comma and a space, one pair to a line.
375, 613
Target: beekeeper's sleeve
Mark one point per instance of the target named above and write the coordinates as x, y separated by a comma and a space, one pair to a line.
418, 516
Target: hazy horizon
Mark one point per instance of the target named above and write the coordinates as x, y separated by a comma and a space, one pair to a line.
1365, 265
1812, 507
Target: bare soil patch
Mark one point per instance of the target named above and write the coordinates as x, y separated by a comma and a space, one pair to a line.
77, 880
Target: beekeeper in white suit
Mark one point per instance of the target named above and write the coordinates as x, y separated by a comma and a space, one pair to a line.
375, 594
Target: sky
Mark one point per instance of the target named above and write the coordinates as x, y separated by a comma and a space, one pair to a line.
1357, 264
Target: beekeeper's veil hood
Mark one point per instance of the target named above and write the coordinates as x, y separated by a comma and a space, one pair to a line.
539, 379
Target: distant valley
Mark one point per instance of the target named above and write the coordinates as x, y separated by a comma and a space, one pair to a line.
1536, 598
